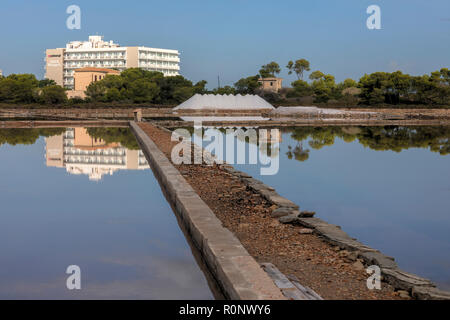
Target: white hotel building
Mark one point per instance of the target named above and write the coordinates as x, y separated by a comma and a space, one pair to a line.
96, 53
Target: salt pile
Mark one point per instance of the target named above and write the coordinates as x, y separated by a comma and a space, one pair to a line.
225, 102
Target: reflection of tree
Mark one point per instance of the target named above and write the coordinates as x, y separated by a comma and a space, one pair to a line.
26, 136
29, 136
320, 137
122, 135
402, 138
299, 153
392, 138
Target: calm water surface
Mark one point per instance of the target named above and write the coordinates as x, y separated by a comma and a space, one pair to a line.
91, 201
387, 186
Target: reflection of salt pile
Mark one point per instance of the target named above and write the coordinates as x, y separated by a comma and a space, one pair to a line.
225, 102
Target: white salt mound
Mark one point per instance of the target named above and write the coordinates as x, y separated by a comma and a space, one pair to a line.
224, 102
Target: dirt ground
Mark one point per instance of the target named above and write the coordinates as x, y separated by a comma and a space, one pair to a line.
332, 273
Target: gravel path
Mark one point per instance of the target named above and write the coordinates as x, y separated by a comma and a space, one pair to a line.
332, 273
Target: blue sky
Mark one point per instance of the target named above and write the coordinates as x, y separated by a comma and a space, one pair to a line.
233, 38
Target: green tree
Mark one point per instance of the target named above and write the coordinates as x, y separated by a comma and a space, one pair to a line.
46, 82
350, 96
347, 92
168, 85
200, 87
247, 85
113, 94
113, 81
269, 70
132, 85
301, 88
96, 91
18, 88
323, 86
441, 84
25, 78
183, 93
373, 87
317, 75
348, 83
132, 74
399, 85
53, 94
383, 87
299, 67
225, 90
143, 90
8, 89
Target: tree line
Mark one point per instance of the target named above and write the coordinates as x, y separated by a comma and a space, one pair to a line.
372, 89
133, 85
149, 87
27, 136
16, 136
380, 138
141, 86
25, 88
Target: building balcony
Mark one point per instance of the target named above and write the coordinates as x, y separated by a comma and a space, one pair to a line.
150, 57
102, 64
95, 58
158, 65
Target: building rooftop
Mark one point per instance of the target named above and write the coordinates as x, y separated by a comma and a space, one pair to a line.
93, 43
270, 79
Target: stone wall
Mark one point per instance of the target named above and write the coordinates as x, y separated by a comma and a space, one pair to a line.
235, 270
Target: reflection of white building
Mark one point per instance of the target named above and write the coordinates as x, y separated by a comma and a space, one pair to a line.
81, 154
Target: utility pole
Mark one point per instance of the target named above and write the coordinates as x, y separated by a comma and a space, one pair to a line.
218, 82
